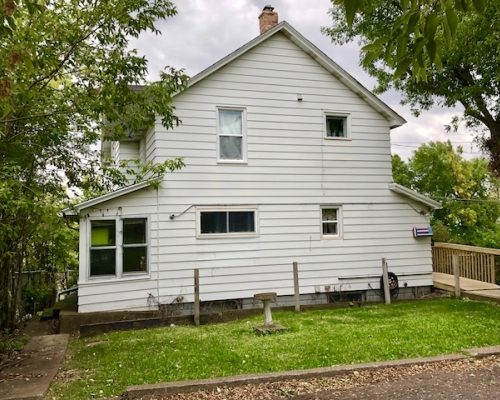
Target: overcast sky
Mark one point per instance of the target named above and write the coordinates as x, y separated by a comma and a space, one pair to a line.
204, 31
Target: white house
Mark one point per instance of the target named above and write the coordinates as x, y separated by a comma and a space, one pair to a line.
287, 160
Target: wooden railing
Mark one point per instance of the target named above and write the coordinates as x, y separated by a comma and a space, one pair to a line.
476, 263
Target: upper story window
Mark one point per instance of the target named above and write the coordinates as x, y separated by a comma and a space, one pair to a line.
330, 221
231, 135
222, 222
337, 126
118, 246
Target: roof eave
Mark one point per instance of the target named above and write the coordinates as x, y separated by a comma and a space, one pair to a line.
400, 189
76, 209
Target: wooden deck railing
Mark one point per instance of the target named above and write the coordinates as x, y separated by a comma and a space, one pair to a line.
476, 263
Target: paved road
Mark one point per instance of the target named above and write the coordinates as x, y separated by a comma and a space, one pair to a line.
479, 384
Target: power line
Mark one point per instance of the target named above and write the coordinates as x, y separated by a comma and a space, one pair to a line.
469, 200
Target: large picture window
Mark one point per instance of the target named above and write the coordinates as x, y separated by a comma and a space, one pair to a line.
231, 135
227, 222
118, 247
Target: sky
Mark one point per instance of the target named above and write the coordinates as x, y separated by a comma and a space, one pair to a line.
204, 31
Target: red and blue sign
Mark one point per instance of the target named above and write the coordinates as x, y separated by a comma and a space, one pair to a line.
422, 232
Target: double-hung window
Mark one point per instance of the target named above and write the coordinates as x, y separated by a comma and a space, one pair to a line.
231, 135
118, 247
135, 248
330, 221
103, 247
227, 222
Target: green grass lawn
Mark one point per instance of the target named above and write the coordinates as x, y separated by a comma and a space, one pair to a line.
105, 365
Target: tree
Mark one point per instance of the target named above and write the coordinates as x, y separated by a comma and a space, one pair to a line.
67, 79
435, 52
466, 189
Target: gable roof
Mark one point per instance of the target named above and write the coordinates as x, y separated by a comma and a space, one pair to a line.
75, 210
326, 62
411, 194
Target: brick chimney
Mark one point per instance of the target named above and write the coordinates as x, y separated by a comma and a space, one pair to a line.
267, 19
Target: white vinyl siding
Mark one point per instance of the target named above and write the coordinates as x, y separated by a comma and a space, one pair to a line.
291, 171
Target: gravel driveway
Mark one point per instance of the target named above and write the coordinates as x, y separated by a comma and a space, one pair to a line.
477, 379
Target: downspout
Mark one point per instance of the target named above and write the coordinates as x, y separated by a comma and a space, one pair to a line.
158, 245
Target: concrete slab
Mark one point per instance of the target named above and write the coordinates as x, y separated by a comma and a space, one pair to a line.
36, 367
269, 329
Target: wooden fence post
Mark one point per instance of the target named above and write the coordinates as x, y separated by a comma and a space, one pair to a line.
296, 289
385, 279
385, 282
197, 297
456, 274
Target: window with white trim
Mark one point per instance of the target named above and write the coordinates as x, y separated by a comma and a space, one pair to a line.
102, 247
118, 247
330, 221
218, 222
135, 248
231, 135
337, 126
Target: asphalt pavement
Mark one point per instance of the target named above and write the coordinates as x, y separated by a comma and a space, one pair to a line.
482, 383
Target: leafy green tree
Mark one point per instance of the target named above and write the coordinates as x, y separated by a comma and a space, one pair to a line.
466, 190
416, 29
401, 172
435, 52
68, 78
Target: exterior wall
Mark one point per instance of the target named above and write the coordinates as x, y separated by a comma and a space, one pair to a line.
291, 172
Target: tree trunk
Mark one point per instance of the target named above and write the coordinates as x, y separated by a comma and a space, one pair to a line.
7, 285
493, 146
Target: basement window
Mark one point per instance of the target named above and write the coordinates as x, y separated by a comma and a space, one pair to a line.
224, 222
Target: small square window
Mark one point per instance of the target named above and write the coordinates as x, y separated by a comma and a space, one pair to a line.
330, 221
336, 126
103, 233
134, 231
